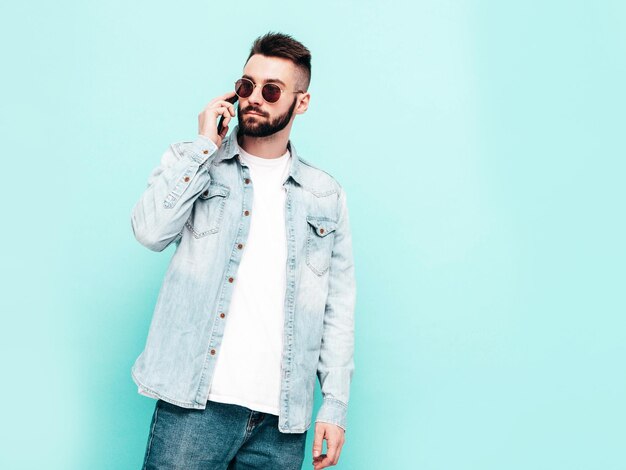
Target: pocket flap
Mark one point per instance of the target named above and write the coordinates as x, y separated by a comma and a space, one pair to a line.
214, 190
322, 225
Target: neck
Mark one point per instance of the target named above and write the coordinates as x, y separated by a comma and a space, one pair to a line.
272, 146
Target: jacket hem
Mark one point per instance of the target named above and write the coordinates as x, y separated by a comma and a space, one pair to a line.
145, 390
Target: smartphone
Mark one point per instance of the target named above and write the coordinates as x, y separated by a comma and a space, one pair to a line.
232, 100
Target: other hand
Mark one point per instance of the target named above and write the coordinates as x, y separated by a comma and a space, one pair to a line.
335, 437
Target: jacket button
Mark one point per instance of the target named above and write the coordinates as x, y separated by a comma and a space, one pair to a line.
186, 178
246, 213
222, 315
247, 180
205, 193
240, 246
212, 352
230, 279
321, 230
205, 152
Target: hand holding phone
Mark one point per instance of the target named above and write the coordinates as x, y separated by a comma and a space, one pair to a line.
221, 106
220, 125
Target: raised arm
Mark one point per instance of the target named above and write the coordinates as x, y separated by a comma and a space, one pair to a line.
158, 218
173, 186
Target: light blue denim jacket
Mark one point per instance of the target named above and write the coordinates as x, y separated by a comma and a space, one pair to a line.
200, 198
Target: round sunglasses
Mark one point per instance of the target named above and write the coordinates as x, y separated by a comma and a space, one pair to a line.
270, 91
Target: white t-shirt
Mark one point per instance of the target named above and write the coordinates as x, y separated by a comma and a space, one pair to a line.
248, 367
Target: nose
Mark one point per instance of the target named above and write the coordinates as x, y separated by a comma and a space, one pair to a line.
256, 97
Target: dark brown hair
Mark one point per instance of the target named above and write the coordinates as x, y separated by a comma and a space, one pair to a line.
283, 45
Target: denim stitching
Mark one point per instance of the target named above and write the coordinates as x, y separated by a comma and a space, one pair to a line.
156, 414
330, 235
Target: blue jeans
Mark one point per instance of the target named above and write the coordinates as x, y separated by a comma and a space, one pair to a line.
221, 437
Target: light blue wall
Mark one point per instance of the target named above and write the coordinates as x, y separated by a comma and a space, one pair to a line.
482, 148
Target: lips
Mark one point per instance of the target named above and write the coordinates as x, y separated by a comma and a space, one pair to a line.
254, 114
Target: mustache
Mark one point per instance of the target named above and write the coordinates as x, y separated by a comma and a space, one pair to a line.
248, 110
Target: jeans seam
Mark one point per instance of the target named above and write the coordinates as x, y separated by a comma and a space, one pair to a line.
156, 415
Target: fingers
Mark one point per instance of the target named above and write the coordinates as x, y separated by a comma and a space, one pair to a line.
229, 106
224, 132
227, 116
333, 445
334, 442
322, 461
221, 105
208, 117
224, 97
317, 441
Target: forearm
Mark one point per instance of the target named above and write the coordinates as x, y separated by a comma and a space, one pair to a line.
173, 186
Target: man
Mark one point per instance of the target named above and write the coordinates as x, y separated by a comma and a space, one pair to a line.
259, 295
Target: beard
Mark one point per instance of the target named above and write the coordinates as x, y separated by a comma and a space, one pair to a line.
254, 128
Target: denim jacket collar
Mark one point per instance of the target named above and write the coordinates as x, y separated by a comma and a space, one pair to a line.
230, 149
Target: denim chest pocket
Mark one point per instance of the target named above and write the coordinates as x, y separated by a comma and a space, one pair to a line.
208, 210
319, 244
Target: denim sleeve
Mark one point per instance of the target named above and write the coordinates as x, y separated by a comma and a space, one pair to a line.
158, 218
336, 361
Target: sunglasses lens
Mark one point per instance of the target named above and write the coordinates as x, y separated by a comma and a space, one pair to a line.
271, 93
243, 88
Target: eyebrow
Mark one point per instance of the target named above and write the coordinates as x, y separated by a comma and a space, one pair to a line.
277, 80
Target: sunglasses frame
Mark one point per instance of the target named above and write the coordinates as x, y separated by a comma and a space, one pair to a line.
254, 85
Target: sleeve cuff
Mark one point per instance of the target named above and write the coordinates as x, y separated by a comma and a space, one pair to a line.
203, 148
333, 411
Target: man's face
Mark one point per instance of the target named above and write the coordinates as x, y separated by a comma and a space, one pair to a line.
271, 117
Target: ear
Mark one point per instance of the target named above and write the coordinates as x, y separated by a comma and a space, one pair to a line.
303, 103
